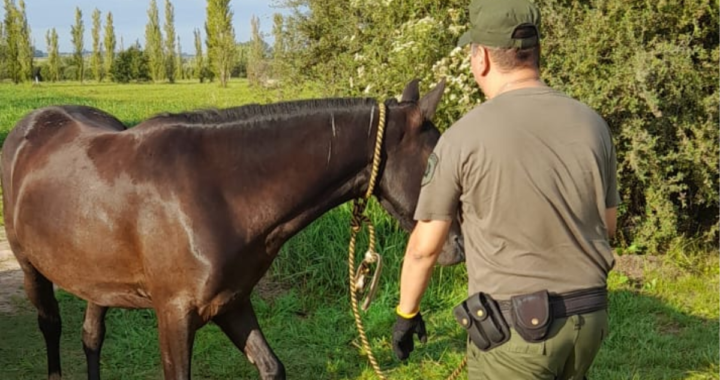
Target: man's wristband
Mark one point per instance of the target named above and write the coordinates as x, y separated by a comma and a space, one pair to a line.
404, 315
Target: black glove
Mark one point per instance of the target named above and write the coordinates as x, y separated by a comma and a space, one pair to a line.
402, 337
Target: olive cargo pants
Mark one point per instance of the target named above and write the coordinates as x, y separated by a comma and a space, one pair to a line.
567, 354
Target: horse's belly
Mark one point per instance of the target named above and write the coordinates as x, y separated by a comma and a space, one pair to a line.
84, 250
101, 276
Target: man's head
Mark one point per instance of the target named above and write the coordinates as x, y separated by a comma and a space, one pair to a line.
504, 36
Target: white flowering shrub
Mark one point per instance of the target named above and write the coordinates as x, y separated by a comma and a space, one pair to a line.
461, 92
649, 68
420, 47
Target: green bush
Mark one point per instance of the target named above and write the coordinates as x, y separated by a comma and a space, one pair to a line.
130, 65
649, 67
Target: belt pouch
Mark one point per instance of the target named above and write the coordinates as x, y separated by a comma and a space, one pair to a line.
532, 315
481, 316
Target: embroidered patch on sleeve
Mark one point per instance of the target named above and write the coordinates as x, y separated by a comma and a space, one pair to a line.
430, 169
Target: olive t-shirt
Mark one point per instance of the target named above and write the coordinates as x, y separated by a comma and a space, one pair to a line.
530, 173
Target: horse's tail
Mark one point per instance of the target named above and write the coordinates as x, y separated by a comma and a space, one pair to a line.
14, 143
35, 130
32, 131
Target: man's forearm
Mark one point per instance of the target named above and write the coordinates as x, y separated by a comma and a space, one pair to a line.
423, 248
416, 272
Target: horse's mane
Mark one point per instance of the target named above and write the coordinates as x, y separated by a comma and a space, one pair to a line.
256, 112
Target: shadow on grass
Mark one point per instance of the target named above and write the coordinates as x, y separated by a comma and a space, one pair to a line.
651, 340
648, 340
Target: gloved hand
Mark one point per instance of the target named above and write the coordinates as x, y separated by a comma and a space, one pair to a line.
402, 337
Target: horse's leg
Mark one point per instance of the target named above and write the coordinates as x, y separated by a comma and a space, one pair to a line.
41, 294
241, 326
177, 324
93, 337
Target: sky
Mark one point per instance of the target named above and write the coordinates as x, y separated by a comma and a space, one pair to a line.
130, 18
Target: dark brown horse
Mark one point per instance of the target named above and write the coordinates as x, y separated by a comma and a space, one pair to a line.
185, 212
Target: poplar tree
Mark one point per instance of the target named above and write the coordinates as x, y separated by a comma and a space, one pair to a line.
279, 46
220, 39
11, 62
25, 49
256, 56
154, 44
3, 38
198, 56
53, 54
77, 32
179, 74
109, 43
96, 62
170, 58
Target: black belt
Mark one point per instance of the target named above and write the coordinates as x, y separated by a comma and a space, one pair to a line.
567, 304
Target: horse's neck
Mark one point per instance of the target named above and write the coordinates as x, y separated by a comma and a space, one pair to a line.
296, 172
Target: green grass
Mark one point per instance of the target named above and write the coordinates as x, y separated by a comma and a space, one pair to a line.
660, 329
132, 103
663, 327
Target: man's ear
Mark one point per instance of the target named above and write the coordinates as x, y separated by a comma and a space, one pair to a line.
483, 60
411, 92
429, 102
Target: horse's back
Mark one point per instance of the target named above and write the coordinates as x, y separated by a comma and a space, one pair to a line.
41, 132
55, 197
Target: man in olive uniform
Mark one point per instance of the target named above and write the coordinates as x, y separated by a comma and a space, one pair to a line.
532, 173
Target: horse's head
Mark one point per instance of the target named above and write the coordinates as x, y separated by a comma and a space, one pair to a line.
410, 138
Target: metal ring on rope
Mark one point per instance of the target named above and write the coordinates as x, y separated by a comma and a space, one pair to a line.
357, 278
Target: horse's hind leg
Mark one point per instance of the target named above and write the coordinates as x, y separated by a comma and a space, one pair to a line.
41, 293
93, 337
241, 326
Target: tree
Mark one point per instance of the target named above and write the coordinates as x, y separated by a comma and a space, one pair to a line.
278, 47
77, 32
12, 34
256, 55
154, 44
3, 39
199, 64
109, 43
130, 65
53, 55
179, 73
170, 59
96, 62
243, 50
220, 39
330, 34
26, 51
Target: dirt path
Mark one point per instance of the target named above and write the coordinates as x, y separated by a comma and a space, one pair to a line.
11, 277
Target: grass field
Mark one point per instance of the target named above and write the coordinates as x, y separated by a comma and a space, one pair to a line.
664, 319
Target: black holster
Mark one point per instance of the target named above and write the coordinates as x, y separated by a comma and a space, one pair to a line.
480, 315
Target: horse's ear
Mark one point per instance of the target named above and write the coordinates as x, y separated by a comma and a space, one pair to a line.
411, 92
429, 102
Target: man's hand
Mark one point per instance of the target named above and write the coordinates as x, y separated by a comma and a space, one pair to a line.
402, 337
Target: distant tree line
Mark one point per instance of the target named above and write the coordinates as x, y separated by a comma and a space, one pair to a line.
160, 59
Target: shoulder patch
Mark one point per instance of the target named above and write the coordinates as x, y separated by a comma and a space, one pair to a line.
430, 168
